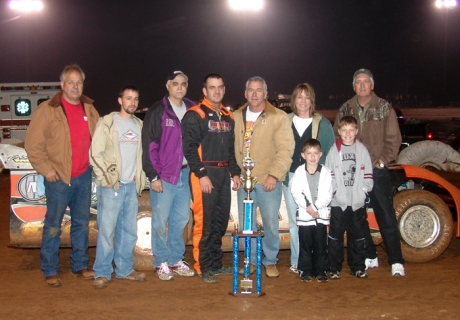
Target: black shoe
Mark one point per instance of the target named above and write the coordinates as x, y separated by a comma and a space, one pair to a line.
306, 278
209, 277
223, 270
334, 275
359, 274
321, 278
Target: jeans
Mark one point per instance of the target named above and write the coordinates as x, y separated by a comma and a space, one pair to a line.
117, 234
172, 207
291, 208
382, 203
76, 195
269, 204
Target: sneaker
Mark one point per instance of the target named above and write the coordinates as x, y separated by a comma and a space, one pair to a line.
306, 278
252, 269
397, 270
371, 263
163, 272
135, 276
182, 269
359, 274
101, 282
321, 278
334, 275
271, 271
224, 270
209, 277
293, 269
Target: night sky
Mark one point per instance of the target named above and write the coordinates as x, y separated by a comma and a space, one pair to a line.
321, 42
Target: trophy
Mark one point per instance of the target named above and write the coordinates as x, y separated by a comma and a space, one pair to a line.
246, 284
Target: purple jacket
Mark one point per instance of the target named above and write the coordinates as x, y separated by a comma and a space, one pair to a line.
162, 142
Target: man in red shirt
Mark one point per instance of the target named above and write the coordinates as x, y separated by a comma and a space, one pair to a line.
57, 144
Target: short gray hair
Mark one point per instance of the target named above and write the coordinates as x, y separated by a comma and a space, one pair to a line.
72, 67
257, 79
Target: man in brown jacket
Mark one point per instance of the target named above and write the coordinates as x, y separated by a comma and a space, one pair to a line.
379, 132
264, 133
57, 144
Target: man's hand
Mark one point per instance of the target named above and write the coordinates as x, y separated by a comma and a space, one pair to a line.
236, 183
157, 186
52, 176
270, 183
206, 184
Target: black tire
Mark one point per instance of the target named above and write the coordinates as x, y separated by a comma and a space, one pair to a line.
430, 153
142, 253
425, 224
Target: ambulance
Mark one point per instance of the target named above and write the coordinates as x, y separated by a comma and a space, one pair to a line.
18, 102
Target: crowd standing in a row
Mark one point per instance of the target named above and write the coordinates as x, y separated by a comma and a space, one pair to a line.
191, 151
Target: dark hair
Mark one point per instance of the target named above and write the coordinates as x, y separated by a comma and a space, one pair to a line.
72, 67
311, 143
347, 120
122, 90
212, 76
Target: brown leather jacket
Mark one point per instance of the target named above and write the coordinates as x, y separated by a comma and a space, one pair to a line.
48, 137
380, 130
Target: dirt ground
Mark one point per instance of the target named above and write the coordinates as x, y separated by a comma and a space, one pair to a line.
429, 290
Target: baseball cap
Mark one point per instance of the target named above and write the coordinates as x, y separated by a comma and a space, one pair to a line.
362, 70
174, 74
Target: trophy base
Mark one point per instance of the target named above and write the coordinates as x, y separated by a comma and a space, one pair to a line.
247, 294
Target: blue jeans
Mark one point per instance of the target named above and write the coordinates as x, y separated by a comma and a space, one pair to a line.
76, 195
172, 207
117, 234
291, 208
269, 205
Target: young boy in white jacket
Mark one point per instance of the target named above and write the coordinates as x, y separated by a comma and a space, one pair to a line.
311, 188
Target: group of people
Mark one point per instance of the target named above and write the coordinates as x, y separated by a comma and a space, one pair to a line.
191, 151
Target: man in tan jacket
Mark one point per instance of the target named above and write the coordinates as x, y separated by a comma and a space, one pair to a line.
57, 144
264, 133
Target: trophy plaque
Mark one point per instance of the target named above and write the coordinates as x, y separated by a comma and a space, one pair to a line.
246, 284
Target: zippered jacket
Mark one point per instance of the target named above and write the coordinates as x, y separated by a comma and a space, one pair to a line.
105, 156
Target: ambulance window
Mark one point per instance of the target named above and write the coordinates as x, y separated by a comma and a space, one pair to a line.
22, 107
40, 101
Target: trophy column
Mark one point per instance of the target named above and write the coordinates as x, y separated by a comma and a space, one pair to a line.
246, 284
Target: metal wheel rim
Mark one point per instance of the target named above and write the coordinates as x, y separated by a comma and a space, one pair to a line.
420, 226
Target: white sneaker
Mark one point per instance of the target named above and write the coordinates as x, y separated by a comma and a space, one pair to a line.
182, 269
397, 270
163, 272
293, 269
371, 263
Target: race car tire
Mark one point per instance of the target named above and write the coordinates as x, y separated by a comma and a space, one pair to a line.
142, 253
431, 154
425, 224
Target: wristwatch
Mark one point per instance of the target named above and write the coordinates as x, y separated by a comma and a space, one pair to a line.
382, 165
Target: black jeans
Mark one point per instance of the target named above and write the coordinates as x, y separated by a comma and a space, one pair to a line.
354, 222
382, 203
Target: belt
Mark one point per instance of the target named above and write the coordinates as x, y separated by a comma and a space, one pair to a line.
185, 166
215, 164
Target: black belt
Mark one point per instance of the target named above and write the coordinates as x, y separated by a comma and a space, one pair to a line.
185, 166
215, 164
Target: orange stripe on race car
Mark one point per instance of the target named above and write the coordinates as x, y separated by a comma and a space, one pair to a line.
197, 209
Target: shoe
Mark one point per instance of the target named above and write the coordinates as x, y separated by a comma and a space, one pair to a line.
224, 270
101, 282
306, 278
397, 270
182, 269
135, 276
271, 271
163, 272
293, 269
209, 277
359, 274
334, 275
53, 281
252, 269
85, 274
371, 263
321, 278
